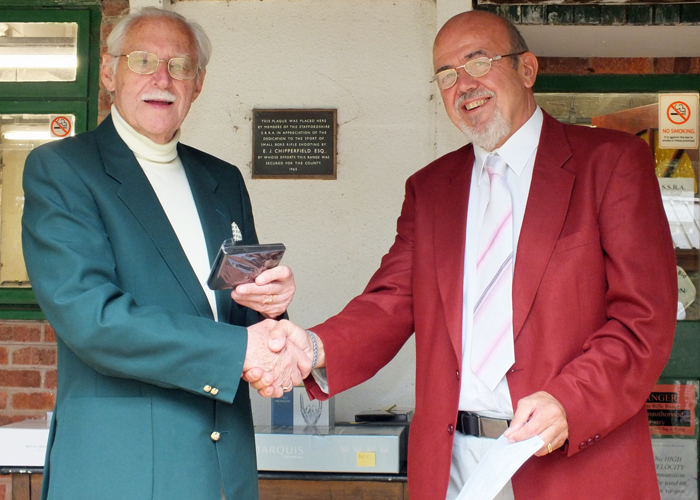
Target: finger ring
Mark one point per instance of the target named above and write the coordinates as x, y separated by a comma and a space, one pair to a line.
269, 299
549, 447
288, 387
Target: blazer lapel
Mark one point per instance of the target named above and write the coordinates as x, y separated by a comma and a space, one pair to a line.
450, 225
547, 206
138, 195
213, 215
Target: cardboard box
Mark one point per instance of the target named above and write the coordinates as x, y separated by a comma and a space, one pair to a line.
23, 444
295, 409
344, 448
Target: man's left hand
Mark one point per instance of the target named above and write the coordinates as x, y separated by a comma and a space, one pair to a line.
539, 415
271, 293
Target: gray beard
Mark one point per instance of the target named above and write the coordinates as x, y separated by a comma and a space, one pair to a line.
496, 130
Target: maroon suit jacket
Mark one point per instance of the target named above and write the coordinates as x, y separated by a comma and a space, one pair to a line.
594, 304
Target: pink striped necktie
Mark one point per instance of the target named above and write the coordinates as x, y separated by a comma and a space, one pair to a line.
492, 336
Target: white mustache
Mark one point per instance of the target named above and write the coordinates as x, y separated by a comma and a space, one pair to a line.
159, 95
472, 95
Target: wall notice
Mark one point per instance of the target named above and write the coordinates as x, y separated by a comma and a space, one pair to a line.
676, 468
294, 143
678, 121
671, 410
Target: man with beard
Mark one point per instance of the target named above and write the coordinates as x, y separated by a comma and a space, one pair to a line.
120, 227
536, 268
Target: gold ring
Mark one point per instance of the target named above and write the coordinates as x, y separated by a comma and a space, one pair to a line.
549, 447
269, 299
288, 387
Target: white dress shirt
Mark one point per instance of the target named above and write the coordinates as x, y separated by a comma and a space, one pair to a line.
519, 153
167, 176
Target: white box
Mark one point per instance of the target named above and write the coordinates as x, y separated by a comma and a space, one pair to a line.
343, 448
23, 444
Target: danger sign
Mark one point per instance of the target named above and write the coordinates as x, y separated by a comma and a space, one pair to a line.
678, 121
61, 126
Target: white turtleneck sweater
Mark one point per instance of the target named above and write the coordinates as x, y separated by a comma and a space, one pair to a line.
165, 172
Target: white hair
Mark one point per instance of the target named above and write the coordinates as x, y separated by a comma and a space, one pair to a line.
116, 39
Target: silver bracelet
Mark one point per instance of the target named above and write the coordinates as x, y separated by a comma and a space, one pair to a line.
312, 336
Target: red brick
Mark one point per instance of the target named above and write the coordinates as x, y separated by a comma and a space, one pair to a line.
114, 7
20, 378
106, 28
4, 356
49, 333
35, 356
621, 65
563, 66
11, 419
694, 66
20, 332
51, 379
664, 65
686, 65
33, 401
3, 400
4, 494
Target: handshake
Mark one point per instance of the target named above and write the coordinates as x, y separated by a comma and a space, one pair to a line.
279, 356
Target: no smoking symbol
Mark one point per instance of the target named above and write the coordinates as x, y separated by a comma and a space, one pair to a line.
60, 126
678, 113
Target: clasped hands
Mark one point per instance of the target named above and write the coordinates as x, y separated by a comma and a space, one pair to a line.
272, 365
279, 356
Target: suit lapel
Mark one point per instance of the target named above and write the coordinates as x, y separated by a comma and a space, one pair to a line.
547, 206
213, 215
450, 225
138, 195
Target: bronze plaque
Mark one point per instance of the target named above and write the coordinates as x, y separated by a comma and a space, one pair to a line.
294, 143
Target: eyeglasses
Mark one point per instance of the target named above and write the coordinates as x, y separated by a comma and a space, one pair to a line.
475, 67
146, 63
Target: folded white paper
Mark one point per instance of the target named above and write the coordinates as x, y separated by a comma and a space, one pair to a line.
497, 467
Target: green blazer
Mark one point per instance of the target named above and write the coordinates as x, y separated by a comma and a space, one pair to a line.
137, 343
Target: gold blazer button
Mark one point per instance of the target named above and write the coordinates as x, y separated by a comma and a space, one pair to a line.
215, 436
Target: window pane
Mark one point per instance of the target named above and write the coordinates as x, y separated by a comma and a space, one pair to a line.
19, 134
38, 52
677, 170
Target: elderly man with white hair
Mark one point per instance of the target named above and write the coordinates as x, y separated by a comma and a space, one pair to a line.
120, 227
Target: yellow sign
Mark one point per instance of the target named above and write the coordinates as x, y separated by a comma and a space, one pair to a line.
366, 459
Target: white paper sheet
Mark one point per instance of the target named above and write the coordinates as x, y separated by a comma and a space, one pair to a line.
497, 467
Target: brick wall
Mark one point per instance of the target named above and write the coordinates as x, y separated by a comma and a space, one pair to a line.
27, 376
619, 65
111, 10
27, 370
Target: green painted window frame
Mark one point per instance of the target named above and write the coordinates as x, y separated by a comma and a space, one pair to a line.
79, 98
74, 89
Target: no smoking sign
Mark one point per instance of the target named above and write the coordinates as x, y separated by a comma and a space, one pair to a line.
678, 113
678, 121
61, 126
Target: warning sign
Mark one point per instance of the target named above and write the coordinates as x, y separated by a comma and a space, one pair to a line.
678, 121
671, 410
61, 126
